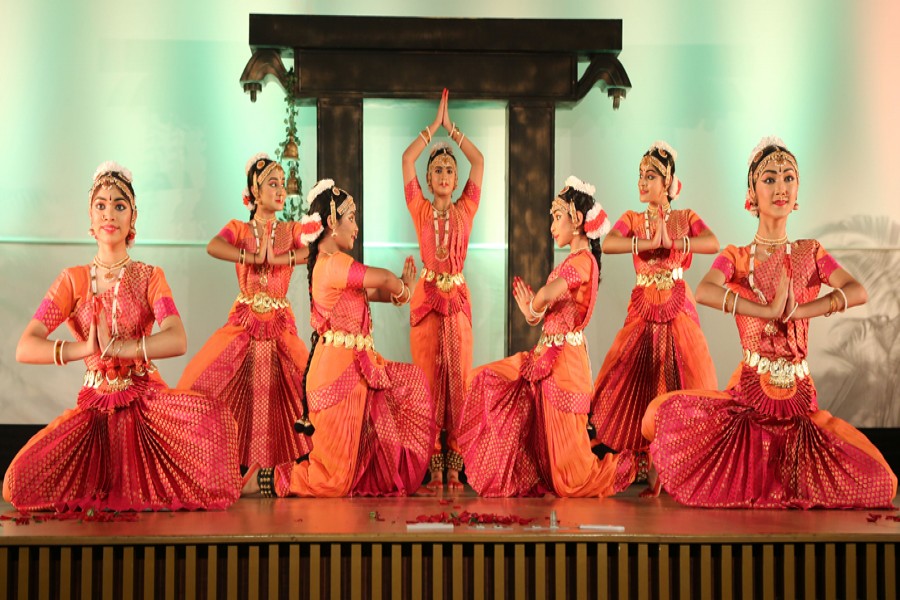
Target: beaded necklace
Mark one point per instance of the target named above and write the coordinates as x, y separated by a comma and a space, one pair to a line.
109, 275
441, 250
114, 330
770, 243
647, 220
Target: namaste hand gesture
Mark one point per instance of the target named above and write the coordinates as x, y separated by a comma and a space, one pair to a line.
665, 239
779, 303
445, 118
441, 118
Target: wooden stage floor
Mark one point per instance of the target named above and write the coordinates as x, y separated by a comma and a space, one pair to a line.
361, 547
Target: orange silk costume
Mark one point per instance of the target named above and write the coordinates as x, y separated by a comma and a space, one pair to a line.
255, 362
374, 418
440, 309
131, 443
524, 422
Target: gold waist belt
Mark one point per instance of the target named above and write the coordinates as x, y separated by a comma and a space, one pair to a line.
118, 379
444, 281
782, 372
573, 338
342, 339
261, 302
662, 280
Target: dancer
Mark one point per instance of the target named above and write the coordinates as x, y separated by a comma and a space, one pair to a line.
374, 418
255, 362
440, 312
130, 443
763, 442
661, 347
525, 417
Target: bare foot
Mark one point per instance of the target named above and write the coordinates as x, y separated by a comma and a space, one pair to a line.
250, 484
654, 484
437, 481
453, 482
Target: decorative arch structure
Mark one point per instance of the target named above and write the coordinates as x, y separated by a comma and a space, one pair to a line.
531, 64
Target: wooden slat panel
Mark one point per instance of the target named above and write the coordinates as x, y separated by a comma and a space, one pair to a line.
65, 573
747, 571
457, 570
603, 585
377, 566
706, 571
149, 572
212, 571
22, 577
108, 574
274, 566
850, 583
790, 572
643, 572
540, 571
664, 570
253, 572
478, 568
43, 573
622, 570
559, 569
890, 571
809, 571
87, 572
190, 572
871, 571
499, 570
335, 571
520, 577
437, 571
171, 566
581, 568
294, 571
684, 572
396, 571
768, 571
315, 571
231, 572
356, 571
416, 572
128, 567
830, 572
727, 573
4, 571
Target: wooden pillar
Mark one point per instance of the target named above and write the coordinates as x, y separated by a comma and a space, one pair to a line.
531, 187
339, 150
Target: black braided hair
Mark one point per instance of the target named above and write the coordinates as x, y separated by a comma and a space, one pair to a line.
583, 204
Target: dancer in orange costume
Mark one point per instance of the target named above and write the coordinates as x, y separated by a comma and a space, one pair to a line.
763, 442
661, 347
374, 418
130, 443
255, 362
440, 312
524, 421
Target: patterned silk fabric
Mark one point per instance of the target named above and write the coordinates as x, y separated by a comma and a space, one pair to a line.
758, 444
144, 447
523, 422
661, 347
375, 417
440, 341
255, 363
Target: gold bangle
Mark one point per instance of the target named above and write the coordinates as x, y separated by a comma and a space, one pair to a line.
242, 255
292, 258
56, 346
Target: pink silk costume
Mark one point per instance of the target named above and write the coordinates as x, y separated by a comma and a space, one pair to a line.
255, 362
441, 319
660, 348
374, 418
524, 422
130, 443
763, 442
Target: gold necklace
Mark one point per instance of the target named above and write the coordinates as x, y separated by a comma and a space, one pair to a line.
110, 275
770, 244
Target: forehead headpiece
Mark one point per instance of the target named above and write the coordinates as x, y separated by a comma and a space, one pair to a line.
112, 174
771, 150
661, 157
442, 155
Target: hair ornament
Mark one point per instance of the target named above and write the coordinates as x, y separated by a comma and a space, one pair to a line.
580, 186
663, 149
111, 166
765, 142
321, 186
310, 228
750, 204
441, 148
674, 188
254, 159
596, 222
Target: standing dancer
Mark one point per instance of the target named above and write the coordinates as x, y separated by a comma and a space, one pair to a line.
763, 442
525, 417
130, 443
661, 347
374, 418
255, 362
440, 312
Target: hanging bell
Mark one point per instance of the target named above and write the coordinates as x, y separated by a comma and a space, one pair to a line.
291, 150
